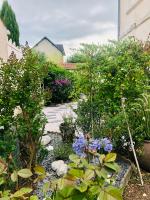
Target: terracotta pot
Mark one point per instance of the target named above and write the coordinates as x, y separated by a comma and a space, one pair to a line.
144, 157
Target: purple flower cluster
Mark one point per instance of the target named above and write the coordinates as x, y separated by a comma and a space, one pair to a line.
95, 145
106, 144
62, 82
81, 145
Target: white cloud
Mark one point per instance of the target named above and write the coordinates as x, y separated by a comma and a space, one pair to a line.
66, 21
104, 38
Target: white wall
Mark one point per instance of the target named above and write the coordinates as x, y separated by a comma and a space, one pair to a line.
135, 18
7, 47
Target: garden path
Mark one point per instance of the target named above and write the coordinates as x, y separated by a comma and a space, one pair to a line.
56, 113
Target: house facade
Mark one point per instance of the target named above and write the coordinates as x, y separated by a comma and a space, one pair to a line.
6, 46
134, 19
53, 52
3, 41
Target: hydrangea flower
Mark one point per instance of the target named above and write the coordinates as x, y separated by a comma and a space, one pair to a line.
95, 145
106, 143
79, 146
108, 147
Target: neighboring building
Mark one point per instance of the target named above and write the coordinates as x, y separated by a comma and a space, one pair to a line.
68, 66
134, 19
53, 52
3, 41
7, 47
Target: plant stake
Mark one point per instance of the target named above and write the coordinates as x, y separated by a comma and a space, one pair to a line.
131, 141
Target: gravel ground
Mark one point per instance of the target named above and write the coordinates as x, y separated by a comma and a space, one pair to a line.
134, 191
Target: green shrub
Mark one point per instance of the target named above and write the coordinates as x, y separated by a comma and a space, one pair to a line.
88, 181
58, 84
63, 151
109, 73
20, 88
67, 129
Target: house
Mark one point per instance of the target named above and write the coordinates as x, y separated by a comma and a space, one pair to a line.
134, 19
7, 46
54, 52
3, 41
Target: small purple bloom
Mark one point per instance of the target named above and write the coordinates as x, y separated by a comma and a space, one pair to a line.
79, 146
105, 141
95, 145
108, 147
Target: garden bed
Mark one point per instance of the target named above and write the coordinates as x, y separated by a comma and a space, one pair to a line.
121, 179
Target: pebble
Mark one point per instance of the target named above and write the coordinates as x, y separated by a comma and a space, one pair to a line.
45, 140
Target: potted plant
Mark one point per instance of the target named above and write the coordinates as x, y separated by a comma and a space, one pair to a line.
143, 111
67, 129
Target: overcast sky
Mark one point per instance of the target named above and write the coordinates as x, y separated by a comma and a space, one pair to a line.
69, 22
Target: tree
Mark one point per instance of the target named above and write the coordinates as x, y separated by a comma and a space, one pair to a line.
8, 17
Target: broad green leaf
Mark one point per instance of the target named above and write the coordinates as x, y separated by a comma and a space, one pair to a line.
25, 173
94, 190
76, 172
101, 158
39, 170
66, 191
5, 198
113, 166
110, 157
102, 173
110, 193
21, 192
82, 187
89, 174
74, 158
34, 197
2, 180
14, 176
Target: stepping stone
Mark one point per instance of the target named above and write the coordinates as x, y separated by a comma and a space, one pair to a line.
45, 140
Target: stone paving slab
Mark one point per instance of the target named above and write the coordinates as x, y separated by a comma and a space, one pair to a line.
56, 113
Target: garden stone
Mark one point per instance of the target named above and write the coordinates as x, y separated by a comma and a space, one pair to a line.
45, 140
60, 167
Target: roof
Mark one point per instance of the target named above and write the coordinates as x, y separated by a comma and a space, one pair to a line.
69, 66
58, 46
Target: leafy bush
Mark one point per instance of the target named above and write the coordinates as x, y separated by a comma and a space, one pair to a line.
63, 151
11, 183
21, 97
67, 129
90, 174
140, 111
88, 181
109, 73
58, 84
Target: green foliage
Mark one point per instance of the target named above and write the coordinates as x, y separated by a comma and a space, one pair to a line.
9, 19
140, 111
78, 57
20, 88
67, 129
88, 181
58, 84
5, 179
109, 73
63, 151
7, 192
